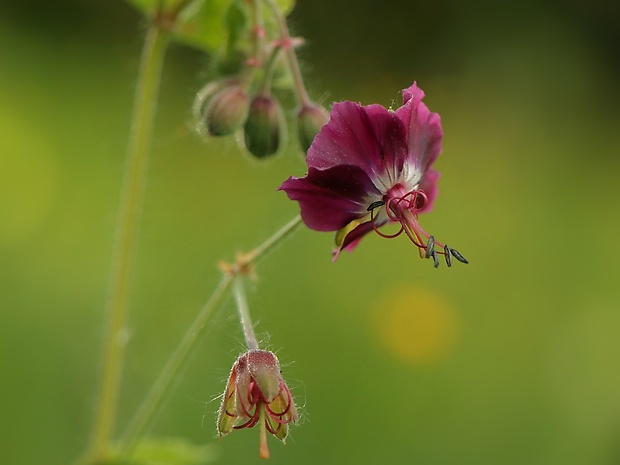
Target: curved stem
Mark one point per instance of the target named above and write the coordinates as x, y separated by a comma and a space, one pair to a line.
267, 246
154, 398
123, 254
291, 56
259, 31
269, 67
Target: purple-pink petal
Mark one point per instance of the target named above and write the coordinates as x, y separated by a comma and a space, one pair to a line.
330, 199
429, 186
366, 154
423, 128
369, 137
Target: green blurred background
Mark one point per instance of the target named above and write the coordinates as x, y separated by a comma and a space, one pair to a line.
513, 359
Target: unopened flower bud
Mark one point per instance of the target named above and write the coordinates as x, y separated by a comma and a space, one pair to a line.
226, 111
263, 128
310, 119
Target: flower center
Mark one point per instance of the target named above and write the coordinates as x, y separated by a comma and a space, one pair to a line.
403, 207
258, 406
398, 202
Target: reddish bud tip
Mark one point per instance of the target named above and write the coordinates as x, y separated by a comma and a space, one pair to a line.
226, 111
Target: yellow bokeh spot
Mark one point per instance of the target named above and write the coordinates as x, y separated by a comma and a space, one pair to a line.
417, 326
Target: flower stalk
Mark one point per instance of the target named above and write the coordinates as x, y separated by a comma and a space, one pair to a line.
244, 313
123, 255
286, 43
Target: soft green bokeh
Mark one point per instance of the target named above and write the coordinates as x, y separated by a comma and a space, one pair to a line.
520, 361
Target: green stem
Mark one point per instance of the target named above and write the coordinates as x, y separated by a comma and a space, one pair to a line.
244, 313
267, 246
259, 31
291, 56
269, 67
123, 254
154, 398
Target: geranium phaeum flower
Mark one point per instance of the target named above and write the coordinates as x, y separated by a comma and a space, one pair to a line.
369, 166
257, 394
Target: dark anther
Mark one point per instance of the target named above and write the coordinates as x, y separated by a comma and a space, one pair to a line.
374, 205
448, 254
430, 247
456, 254
435, 258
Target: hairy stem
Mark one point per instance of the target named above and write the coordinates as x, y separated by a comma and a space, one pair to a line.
267, 246
123, 254
244, 313
291, 56
259, 31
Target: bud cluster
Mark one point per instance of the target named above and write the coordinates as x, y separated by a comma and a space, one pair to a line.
231, 108
246, 102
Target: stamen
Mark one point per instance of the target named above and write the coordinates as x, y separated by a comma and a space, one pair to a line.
288, 404
458, 256
430, 247
277, 417
272, 430
392, 210
404, 209
375, 204
247, 412
398, 212
248, 424
448, 255
414, 236
376, 229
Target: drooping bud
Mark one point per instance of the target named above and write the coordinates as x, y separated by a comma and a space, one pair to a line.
257, 394
310, 119
263, 127
226, 111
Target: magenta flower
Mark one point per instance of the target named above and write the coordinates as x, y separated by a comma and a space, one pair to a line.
369, 166
257, 394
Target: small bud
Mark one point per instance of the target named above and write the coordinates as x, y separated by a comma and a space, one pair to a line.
226, 111
310, 119
263, 126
